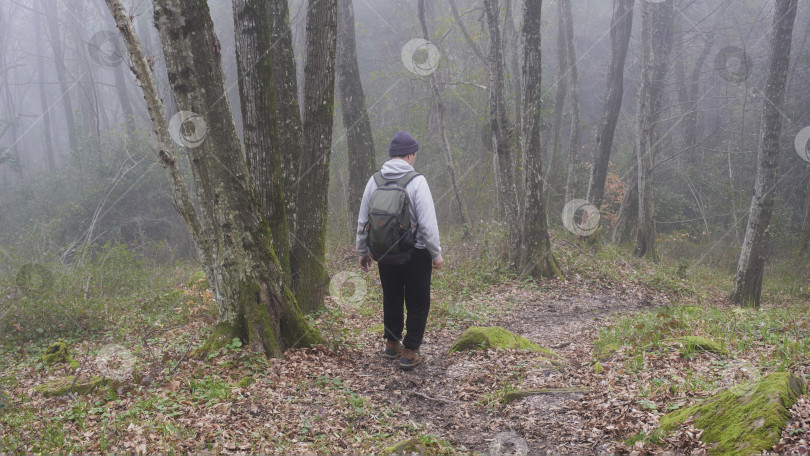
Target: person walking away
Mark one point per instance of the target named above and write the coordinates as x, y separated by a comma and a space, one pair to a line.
397, 228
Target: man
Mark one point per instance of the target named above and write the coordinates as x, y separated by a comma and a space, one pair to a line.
409, 281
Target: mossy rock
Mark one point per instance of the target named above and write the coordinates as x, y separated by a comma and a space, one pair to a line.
198, 281
412, 445
58, 353
62, 386
746, 419
598, 368
701, 344
482, 338
246, 382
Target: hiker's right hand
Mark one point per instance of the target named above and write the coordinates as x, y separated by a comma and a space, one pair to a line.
365, 262
438, 262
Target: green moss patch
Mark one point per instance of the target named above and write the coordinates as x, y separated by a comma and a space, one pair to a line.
482, 338
58, 353
412, 445
427, 444
746, 419
246, 382
64, 385
697, 343
198, 281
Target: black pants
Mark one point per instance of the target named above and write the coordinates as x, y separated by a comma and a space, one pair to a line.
409, 282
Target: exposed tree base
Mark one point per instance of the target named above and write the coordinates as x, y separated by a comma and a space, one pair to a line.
520, 394
65, 385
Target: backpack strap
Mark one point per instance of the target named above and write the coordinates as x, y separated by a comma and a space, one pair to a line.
379, 179
403, 181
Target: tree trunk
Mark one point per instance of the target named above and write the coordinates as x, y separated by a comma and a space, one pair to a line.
625, 228
43, 96
359, 139
512, 35
290, 127
536, 258
123, 97
61, 72
91, 110
231, 236
309, 247
690, 128
559, 100
260, 125
499, 124
747, 289
448, 153
656, 38
620, 30
804, 240
573, 143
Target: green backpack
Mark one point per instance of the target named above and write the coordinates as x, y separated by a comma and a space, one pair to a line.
391, 238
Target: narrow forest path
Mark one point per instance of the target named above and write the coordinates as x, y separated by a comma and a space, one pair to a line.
445, 394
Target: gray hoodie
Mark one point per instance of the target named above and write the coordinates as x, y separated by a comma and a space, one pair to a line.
422, 209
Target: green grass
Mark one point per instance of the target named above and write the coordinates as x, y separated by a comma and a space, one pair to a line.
112, 288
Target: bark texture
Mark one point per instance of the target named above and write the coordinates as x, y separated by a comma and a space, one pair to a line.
290, 126
359, 139
233, 241
620, 30
656, 38
259, 123
536, 258
309, 246
747, 290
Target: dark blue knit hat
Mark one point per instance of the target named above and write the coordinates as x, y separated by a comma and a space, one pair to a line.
402, 144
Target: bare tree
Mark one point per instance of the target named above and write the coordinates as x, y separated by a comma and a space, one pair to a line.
571, 53
309, 246
620, 30
353, 104
499, 125
656, 38
230, 234
43, 94
747, 290
559, 99
536, 258
55, 38
473, 45
448, 153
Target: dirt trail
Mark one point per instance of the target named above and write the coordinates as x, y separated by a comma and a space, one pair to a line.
442, 393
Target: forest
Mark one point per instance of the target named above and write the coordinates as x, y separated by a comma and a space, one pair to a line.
601, 220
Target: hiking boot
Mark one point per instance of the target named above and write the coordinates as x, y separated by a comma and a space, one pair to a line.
393, 349
410, 359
